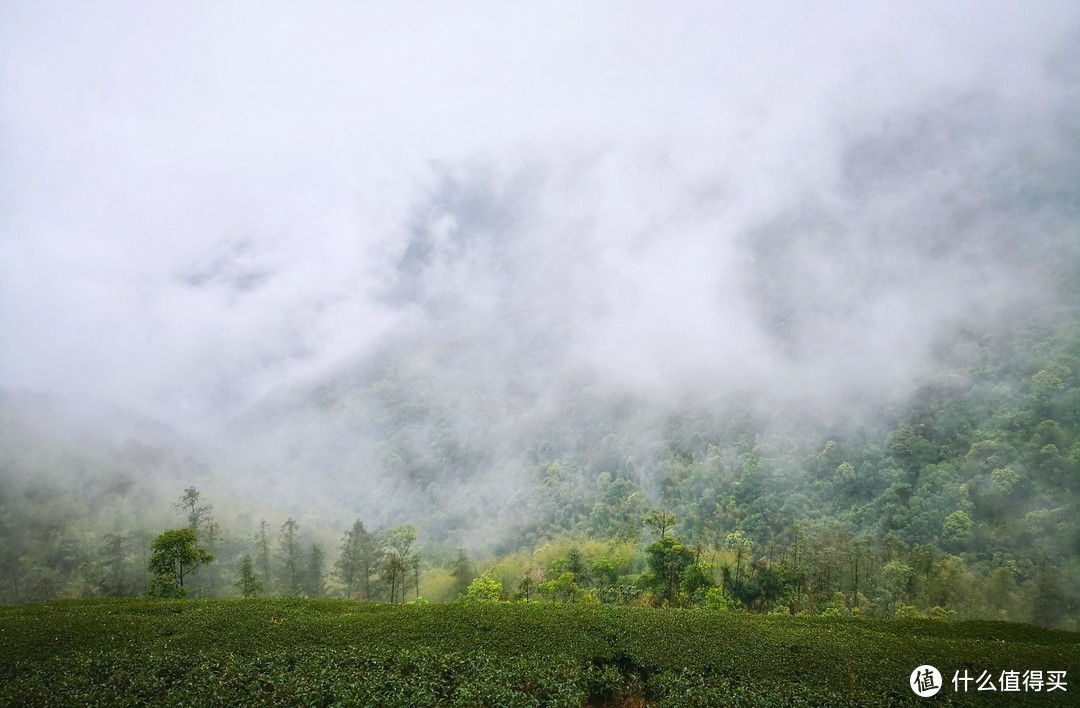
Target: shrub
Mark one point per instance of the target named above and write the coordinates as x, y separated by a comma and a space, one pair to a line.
484, 589
716, 601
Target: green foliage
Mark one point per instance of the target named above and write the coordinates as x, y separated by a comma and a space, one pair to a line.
484, 589
696, 579
461, 570
1050, 380
618, 508
603, 573
716, 601
313, 582
660, 521
117, 577
963, 496
668, 560
191, 506
398, 561
289, 554
573, 563
333, 652
902, 441
173, 559
957, 526
561, 589
357, 565
164, 586
248, 584
262, 543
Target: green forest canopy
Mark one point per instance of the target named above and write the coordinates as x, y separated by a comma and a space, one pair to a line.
958, 501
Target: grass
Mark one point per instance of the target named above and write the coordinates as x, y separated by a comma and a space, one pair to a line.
326, 652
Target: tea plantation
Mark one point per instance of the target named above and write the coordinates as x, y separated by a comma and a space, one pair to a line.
323, 652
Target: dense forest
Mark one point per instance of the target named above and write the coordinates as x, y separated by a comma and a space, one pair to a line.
956, 501
781, 315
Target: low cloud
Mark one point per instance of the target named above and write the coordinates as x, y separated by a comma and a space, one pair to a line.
204, 208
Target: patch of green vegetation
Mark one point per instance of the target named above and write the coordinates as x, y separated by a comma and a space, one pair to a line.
327, 652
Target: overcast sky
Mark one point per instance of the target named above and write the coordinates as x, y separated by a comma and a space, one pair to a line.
203, 201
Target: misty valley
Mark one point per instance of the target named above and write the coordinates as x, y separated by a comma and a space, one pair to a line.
630, 552
520, 527
540, 354
774, 533
520, 531
957, 502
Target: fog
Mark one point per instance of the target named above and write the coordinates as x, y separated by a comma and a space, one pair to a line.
236, 218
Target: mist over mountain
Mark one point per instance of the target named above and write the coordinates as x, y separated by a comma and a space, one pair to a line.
525, 300
656, 213
510, 275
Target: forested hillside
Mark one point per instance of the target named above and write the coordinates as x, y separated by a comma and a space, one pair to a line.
775, 311
956, 501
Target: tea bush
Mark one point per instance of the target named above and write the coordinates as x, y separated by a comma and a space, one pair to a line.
325, 653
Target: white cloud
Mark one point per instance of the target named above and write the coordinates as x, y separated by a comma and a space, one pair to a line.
201, 202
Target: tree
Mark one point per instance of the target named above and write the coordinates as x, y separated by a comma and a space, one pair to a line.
394, 571
191, 505
414, 568
893, 586
660, 521
667, 559
289, 548
573, 562
562, 589
10, 572
249, 584
484, 589
957, 526
901, 442
715, 601
115, 558
857, 554
529, 581
174, 557
603, 573
209, 583
263, 557
618, 508
348, 563
359, 559
1049, 601
399, 540
314, 584
461, 570
697, 578
741, 546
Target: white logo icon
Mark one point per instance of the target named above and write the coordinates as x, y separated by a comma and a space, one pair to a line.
925, 681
